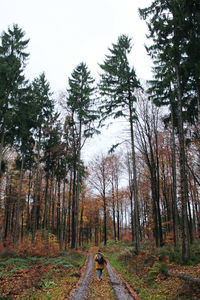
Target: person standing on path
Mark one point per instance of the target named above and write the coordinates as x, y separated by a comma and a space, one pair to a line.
100, 262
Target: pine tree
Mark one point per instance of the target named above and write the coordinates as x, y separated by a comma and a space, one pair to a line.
167, 23
118, 86
22, 131
80, 103
43, 110
12, 64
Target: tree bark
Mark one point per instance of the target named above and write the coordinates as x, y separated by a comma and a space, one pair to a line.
63, 215
16, 234
69, 210
78, 185
58, 210
104, 220
45, 201
36, 192
131, 197
174, 184
135, 188
73, 238
1, 147
28, 204
183, 176
113, 210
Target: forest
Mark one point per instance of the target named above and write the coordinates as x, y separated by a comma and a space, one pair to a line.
145, 189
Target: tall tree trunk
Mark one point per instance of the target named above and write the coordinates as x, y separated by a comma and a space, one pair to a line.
22, 226
166, 198
113, 210
35, 200
158, 182
198, 104
69, 209
155, 212
131, 198
78, 184
118, 219
7, 211
49, 224
12, 219
104, 219
58, 211
183, 176
53, 208
135, 188
81, 227
96, 230
174, 185
2, 135
62, 231
73, 238
45, 201
28, 204
16, 234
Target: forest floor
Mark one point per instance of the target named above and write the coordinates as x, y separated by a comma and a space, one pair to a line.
40, 277
72, 275
111, 287
62, 277
150, 272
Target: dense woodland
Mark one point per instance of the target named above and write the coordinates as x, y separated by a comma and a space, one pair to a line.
47, 190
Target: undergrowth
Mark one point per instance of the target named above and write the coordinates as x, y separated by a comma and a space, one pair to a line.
147, 272
45, 277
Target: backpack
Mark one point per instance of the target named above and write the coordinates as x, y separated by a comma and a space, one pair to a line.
100, 259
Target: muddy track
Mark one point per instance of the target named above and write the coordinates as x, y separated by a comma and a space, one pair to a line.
122, 290
81, 291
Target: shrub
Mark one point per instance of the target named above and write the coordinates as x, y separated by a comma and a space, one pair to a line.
126, 255
157, 268
7, 253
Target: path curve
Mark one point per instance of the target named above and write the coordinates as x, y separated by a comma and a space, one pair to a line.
82, 292
121, 291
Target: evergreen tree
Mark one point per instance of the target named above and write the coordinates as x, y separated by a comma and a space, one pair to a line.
118, 85
167, 23
23, 133
80, 103
43, 110
12, 64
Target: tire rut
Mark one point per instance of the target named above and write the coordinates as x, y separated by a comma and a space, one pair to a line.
121, 291
82, 289
82, 292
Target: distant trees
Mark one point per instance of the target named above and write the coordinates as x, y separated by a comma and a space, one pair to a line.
104, 178
100, 181
148, 141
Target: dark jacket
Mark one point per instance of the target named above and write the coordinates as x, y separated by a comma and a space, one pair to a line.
100, 266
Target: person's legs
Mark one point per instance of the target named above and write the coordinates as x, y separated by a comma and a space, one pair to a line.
99, 273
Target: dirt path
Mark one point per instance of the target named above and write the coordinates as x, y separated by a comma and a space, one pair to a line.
121, 290
82, 289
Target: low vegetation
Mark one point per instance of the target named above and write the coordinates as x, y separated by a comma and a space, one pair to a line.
147, 272
39, 277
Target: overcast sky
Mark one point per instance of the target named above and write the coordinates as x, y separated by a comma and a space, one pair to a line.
64, 33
